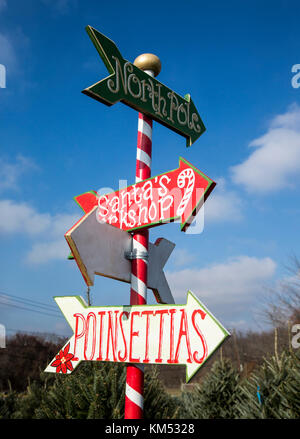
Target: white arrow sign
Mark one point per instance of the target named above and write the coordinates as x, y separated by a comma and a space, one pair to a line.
100, 248
143, 334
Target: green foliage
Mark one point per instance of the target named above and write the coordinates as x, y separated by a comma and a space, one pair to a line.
8, 404
28, 401
216, 396
158, 404
278, 382
97, 391
94, 391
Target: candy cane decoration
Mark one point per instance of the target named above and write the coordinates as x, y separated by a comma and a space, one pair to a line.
134, 400
144, 147
190, 175
138, 293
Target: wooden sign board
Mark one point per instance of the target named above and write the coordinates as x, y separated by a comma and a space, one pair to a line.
134, 87
177, 194
141, 334
102, 249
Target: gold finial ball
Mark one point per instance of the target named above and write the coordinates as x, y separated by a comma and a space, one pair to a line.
148, 61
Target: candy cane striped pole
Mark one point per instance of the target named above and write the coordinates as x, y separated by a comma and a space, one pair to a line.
134, 400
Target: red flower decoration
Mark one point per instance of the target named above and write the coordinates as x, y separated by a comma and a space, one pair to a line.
62, 361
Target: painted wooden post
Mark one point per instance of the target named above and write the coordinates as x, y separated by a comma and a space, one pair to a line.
134, 400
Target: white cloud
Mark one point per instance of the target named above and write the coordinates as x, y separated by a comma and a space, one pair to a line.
45, 230
228, 288
222, 204
7, 53
21, 218
181, 257
11, 172
42, 252
275, 162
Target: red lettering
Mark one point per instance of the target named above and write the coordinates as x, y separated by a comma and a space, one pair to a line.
101, 314
162, 312
112, 335
86, 338
133, 334
199, 332
123, 336
77, 335
171, 359
147, 313
183, 332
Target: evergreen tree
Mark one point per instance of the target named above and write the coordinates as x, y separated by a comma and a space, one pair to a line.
273, 390
27, 402
158, 404
216, 396
94, 391
8, 404
289, 391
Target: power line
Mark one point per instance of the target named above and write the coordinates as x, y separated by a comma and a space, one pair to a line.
29, 301
30, 309
30, 305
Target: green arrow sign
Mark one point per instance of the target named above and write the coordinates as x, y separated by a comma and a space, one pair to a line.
137, 89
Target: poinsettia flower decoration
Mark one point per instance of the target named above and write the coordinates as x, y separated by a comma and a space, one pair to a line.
62, 360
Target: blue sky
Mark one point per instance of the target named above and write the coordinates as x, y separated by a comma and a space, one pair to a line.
235, 59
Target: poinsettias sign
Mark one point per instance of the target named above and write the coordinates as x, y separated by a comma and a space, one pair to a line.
144, 334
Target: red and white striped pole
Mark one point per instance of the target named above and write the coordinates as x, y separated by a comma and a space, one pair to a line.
134, 400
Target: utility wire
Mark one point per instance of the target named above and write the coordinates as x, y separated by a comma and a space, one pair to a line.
29, 309
30, 305
29, 301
